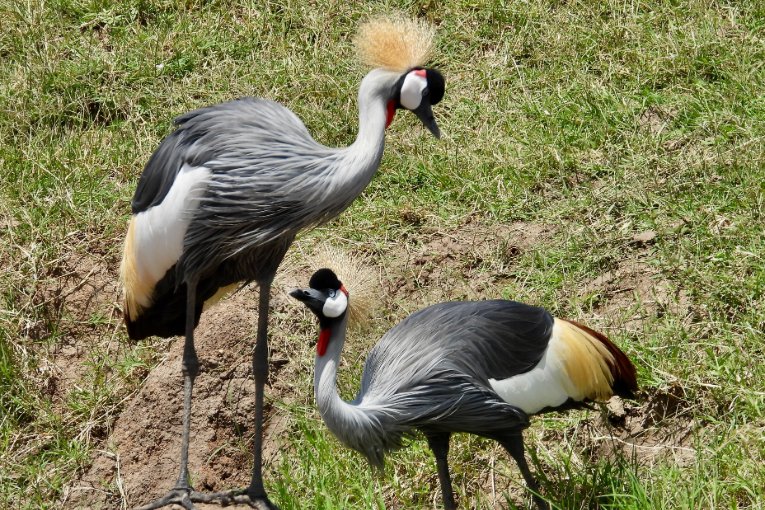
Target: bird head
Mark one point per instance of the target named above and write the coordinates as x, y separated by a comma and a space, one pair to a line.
418, 90
403, 45
327, 298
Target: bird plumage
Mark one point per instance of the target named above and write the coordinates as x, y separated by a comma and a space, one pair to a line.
481, 367
458, 354
395, 44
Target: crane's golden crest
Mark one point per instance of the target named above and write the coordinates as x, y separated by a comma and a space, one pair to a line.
396, 44
358, 277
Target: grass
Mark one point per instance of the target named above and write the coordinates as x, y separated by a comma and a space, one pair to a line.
604, 120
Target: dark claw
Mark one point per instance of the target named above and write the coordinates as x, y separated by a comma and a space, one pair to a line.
176, 496
187, 497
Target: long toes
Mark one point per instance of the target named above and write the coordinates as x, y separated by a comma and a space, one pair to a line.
176, 496
239, 497
265, 504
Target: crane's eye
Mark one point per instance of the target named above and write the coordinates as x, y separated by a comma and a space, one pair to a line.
331, 293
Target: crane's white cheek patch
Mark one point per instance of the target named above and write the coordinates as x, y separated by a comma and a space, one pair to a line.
159, 231
334, 307
411, 90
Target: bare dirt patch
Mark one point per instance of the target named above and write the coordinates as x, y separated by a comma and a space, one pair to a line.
79, 299
470, 262
633, 291
654, 120
656, 427
139, 462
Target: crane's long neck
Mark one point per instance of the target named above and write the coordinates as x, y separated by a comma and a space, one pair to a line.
358, 162
332, 408
352, 424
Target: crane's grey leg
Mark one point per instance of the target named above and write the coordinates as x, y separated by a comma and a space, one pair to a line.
514, 446
256, 490
439, 443
180, 494
190, 369
255, 495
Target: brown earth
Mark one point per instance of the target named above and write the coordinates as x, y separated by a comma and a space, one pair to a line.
139, 460
80, 299
136, 460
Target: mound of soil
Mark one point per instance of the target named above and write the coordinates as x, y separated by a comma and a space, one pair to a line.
139, 460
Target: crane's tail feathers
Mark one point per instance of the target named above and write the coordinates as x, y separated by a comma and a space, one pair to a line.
396, 44
596, 367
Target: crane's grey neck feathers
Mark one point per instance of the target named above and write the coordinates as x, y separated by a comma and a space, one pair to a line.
354, 426
376, 89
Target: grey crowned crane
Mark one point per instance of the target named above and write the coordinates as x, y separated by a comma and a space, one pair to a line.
481, 367
222, 198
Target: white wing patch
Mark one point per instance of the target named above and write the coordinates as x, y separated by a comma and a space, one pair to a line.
160, 229
545, 385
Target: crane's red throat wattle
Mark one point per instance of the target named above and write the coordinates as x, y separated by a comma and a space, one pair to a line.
321, 345
391, 112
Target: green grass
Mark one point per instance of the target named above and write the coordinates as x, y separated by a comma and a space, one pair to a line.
602, 119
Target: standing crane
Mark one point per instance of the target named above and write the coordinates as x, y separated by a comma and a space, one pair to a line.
222, 198
481, 367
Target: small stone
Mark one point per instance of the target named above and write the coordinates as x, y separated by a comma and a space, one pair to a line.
616, 412
644, 237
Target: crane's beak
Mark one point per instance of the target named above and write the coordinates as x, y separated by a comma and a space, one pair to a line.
425, 113
312, 298
300, 295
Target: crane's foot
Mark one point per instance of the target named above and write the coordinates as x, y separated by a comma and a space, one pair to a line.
235, 497
176, 496
187, 497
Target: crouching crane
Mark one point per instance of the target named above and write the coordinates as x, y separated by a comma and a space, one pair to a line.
223, 197
481, 367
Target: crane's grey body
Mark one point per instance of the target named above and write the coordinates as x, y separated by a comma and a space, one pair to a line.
267, 185
269, 178
480, 367
431, 372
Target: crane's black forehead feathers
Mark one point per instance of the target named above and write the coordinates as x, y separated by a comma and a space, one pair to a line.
324, 279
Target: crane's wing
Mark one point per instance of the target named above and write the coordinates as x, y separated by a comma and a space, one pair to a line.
262, 179
481, 339
228, 137
519, 353
227, 129
431, 371
159, 174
